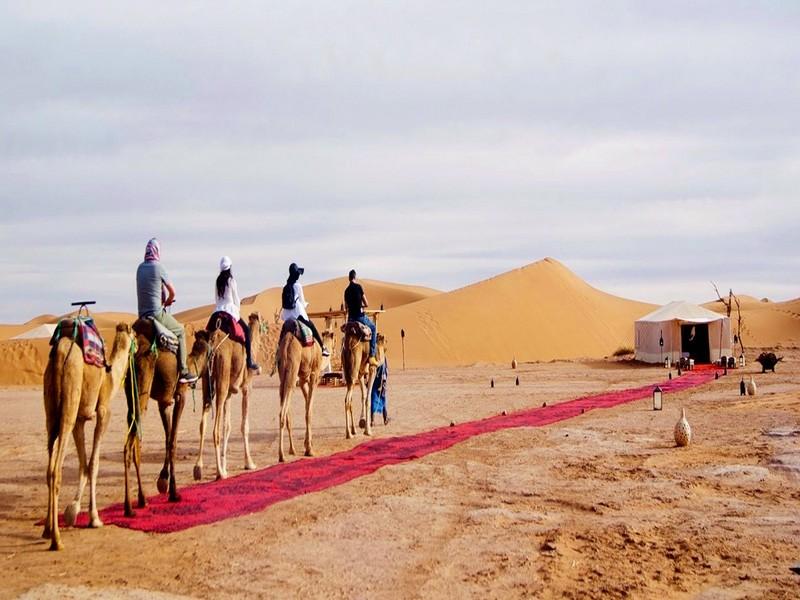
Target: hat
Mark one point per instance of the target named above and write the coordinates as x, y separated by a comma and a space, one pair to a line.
295, 270
224, 263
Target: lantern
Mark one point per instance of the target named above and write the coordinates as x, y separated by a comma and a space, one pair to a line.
657, 396
741, 360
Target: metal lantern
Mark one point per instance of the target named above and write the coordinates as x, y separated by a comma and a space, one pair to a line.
666, 363
741, 360
657, 396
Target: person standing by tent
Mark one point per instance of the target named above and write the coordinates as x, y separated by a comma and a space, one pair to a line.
356, 301
294, 304
154, 293
227, 300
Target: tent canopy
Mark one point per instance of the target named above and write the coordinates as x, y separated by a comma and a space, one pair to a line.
680, 329
681, 311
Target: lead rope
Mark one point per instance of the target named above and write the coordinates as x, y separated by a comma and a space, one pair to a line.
133, 406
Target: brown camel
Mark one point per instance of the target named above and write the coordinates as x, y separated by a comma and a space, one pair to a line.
228, 373
296, 363
356, 368
157, 378
74, 393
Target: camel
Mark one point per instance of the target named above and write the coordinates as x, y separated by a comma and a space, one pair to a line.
157, 378
296, 363
356, 368
229, 374
74, 393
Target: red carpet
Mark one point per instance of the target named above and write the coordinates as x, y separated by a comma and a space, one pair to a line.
244, 494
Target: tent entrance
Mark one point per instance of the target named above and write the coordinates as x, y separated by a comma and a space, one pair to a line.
694, 340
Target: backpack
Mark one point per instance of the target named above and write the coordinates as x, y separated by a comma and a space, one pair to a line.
287, 297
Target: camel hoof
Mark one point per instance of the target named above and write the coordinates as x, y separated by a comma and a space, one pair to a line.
292, 452
362, 423
309, 453
281, 459
222, 476
129, 512
368, 433
251, 466
71, 514
142, 502
176, 497
56, 545
95, 523
198, 473
163, 485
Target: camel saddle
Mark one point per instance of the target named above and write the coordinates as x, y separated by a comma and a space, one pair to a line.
83, 331
223, 321
154, 331
299, 330
361, 331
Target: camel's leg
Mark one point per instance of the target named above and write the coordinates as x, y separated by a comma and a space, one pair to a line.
219, 425
227, 434
73, 510
52, 436
367, 405
173, 447
137, 463
289, 432
198, 466
248, 461
59, 451
349, 426
94, 465
284, 422
308, 392
165, 410
127, 456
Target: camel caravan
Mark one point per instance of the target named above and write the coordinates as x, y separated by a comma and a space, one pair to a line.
149, 360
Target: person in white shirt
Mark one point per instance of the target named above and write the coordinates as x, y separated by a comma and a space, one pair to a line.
227, 298
294, 304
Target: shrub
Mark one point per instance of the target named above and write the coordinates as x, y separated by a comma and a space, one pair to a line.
623, 351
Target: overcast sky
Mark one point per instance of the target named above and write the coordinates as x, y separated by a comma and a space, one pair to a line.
650, 146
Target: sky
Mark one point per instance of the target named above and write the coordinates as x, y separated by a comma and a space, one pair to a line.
651, 147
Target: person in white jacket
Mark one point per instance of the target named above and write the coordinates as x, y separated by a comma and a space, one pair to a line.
294, 304
227, 300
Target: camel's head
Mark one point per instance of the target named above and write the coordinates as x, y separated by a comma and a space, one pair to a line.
123, 336
200, 344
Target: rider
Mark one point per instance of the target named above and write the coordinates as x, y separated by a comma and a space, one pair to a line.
152, 282
294, 304
227, 298
356, 302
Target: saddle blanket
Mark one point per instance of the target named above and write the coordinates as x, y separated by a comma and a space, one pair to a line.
82, 331
226, 323
363, 332
299, 330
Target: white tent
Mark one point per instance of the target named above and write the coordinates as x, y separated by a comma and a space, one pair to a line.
684, 330
42, 331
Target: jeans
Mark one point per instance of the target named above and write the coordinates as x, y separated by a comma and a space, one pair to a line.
373, 343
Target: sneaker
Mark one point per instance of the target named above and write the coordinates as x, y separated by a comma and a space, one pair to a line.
187, 377
325, 351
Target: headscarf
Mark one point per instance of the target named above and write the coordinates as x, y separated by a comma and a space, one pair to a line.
152, 253
224, 263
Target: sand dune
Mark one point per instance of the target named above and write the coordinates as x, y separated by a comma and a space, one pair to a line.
540, 312
765, 324
321, 296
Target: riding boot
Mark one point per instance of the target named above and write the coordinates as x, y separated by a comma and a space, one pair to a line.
248, 339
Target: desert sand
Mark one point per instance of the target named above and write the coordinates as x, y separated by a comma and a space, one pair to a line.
602, 505
599, 506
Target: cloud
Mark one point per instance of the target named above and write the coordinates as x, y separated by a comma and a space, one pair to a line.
649, 146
